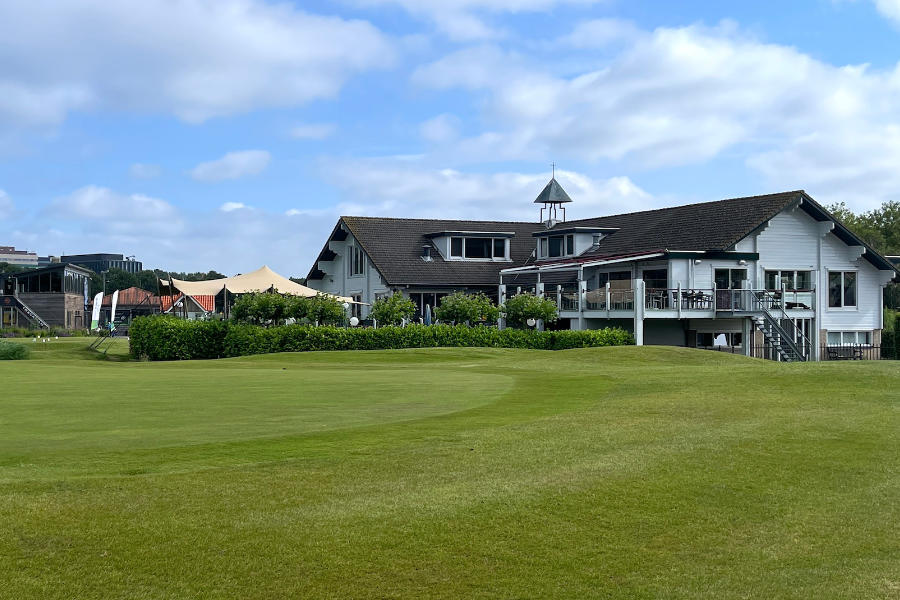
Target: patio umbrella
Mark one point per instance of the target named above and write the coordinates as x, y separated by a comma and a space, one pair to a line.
428, 314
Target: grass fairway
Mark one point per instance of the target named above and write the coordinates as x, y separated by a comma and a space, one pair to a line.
449, 473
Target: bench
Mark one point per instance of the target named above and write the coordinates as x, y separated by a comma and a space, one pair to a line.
844, 353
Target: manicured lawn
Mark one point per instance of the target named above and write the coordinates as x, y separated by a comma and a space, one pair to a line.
463, 473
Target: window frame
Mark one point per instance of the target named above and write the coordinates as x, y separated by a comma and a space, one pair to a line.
492, 243
356, 261
843, 335
794, 275
843, 287
566, 245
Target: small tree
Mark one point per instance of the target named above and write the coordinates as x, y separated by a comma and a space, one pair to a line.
459, 307
260, 308
392, 310
295, 307
522, 307
325, 310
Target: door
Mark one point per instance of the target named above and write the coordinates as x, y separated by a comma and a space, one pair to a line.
728, 280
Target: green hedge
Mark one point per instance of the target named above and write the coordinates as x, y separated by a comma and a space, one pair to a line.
13, 351
890, 341
169, 338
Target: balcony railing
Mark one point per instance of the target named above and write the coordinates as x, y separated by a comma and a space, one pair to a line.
567, 299
678, 299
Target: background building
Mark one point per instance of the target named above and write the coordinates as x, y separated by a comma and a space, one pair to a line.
54, 296
104, 262
20, 258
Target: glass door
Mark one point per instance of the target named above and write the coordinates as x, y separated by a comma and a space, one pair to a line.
728, 280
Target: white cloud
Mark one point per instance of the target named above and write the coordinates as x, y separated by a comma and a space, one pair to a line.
110, 212
233, 165
144, 171
684, 96
442, 128
600, 33
95, 218
389, 187
463, 20
197, 60
232, 206
312, 131
889, 8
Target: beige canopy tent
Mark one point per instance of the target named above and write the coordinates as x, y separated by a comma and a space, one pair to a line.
263, 279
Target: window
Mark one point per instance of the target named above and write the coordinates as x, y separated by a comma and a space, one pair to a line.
479, 248
499, 248
555, 246
849, 338
357, 261
791, 280
841, 289
356, 306
656, 278
730, 279
483, 248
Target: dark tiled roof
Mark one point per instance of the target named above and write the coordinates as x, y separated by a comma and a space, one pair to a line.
705, 226
395, 247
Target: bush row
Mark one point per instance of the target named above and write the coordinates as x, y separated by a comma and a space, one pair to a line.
890, 341
167, 338
13, 351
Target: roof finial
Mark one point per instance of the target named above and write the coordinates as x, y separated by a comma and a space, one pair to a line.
553, 166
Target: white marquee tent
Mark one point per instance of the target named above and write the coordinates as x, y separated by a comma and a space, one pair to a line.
263, 279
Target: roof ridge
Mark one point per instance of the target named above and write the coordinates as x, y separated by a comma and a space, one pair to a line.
706, 202
442, 220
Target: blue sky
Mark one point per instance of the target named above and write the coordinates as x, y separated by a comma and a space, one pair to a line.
230, 133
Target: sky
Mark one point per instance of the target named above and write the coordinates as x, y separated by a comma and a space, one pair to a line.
227, 134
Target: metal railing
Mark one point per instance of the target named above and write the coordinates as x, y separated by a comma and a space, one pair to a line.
828, 353
675, 298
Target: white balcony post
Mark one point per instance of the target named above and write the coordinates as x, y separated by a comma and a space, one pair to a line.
715, 296
501, 300
582, 293
608, 297
559, 297
678, 299
639, 312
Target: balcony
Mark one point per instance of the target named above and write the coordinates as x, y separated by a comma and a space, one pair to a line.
678, 302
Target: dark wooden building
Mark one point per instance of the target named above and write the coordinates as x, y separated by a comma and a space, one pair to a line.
55, 296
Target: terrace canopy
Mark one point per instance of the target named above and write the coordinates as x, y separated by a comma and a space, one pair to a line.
263, 279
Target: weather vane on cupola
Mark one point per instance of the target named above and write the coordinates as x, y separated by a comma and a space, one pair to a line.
553, 196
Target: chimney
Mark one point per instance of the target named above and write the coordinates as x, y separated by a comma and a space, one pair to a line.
426, 253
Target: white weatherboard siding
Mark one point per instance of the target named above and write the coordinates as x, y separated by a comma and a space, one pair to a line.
837, 256
338, 281
793, 240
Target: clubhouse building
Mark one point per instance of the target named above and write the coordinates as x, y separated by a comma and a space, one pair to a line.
774, 275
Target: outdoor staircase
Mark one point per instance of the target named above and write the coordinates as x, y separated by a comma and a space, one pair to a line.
783, 341
26, 310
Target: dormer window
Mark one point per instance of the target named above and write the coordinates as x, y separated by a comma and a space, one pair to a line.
479, 248
556, 246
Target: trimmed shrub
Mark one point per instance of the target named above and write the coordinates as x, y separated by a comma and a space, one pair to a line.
13, 351
393, 310
460, 307
522, 307
169, 338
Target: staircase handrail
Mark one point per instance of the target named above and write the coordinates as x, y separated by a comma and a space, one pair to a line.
31, 314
